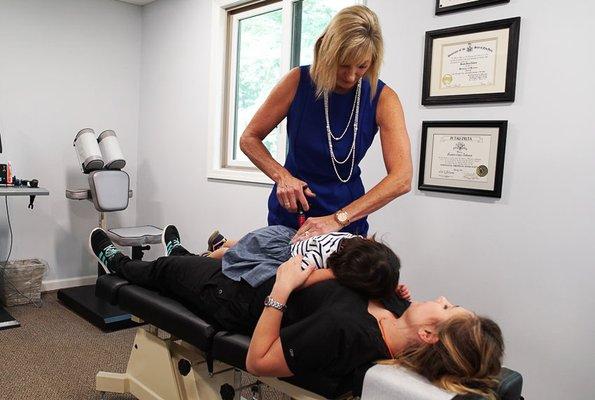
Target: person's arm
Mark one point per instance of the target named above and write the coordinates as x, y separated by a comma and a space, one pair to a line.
396, 151
265, 354
290, 190
318, 275
314, 252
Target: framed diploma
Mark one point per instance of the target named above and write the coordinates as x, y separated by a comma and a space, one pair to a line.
446, 6
472, 63
464, 157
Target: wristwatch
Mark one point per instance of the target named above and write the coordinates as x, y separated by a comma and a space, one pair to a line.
342, 217
270, 302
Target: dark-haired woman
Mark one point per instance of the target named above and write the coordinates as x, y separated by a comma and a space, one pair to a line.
325, 330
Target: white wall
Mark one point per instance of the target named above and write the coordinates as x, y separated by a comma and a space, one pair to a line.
173, 123
522, 259
64, 65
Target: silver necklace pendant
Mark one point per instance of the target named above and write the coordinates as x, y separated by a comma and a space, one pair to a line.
331, 137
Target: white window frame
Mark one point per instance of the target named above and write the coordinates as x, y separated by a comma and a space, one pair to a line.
221, 165
231, 103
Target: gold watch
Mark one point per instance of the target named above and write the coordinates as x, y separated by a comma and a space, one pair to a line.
342, 217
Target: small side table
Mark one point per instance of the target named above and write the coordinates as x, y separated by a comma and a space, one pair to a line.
6, 320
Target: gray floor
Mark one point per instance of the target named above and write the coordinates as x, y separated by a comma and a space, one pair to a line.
55, 355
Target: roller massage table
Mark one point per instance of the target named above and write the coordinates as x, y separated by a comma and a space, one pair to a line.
191, 360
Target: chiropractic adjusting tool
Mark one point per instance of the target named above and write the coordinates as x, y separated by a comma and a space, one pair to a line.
301, 217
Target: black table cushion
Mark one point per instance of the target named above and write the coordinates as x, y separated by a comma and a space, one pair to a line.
231, 348
509, 388
108, 286
511, 385
167, 314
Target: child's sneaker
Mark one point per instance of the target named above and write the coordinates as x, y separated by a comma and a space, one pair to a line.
102, 247
170, 239
216, 240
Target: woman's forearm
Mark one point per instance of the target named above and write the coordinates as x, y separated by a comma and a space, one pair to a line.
269, 115
256, 151
391, 187
267, 330
265, 354
396, 151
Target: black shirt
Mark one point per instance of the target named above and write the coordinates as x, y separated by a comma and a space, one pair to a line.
395, 304
328, 331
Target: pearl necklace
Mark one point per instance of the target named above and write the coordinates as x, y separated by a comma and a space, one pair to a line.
332, 137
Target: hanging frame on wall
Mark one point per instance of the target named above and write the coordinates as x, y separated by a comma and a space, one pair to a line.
463, 157
472, 63
447, 6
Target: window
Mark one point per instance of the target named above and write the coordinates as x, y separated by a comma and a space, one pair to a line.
254, 45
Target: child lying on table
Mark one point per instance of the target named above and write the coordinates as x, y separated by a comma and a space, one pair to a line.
363, 264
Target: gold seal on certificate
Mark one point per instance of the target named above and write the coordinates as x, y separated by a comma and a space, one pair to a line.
447, 79
465, 157
482, 170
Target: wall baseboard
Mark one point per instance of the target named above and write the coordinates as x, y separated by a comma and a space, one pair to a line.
56, 284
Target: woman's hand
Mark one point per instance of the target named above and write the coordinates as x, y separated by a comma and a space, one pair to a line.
290, 274
315, 226
291, 190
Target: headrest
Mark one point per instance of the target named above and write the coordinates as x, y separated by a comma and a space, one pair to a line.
392, 382
109, 190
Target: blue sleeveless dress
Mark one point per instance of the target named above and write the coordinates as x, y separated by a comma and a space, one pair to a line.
308, 156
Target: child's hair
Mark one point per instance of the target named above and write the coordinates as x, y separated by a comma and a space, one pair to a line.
366, 266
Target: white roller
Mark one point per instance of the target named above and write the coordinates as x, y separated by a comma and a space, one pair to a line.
111, 151
388, 382
87, 150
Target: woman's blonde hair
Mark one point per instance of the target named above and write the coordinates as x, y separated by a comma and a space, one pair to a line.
352, 36
466, 359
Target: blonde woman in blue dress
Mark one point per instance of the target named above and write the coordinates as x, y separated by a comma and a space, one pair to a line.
334, 109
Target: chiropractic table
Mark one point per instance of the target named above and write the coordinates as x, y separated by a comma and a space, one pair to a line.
191, 360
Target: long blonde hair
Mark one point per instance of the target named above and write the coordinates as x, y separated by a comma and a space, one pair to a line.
466, 359
351, 36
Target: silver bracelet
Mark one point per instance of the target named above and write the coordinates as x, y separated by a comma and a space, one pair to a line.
270, 302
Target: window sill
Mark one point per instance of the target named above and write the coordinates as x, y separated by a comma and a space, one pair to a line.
240, 175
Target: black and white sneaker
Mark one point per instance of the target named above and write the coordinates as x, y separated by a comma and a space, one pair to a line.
215, 241
102, 247
170, 239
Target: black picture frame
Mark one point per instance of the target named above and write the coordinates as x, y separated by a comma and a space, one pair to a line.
466, 6
507, 95
426, 182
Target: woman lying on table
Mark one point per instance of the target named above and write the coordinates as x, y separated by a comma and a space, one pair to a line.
325, 329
